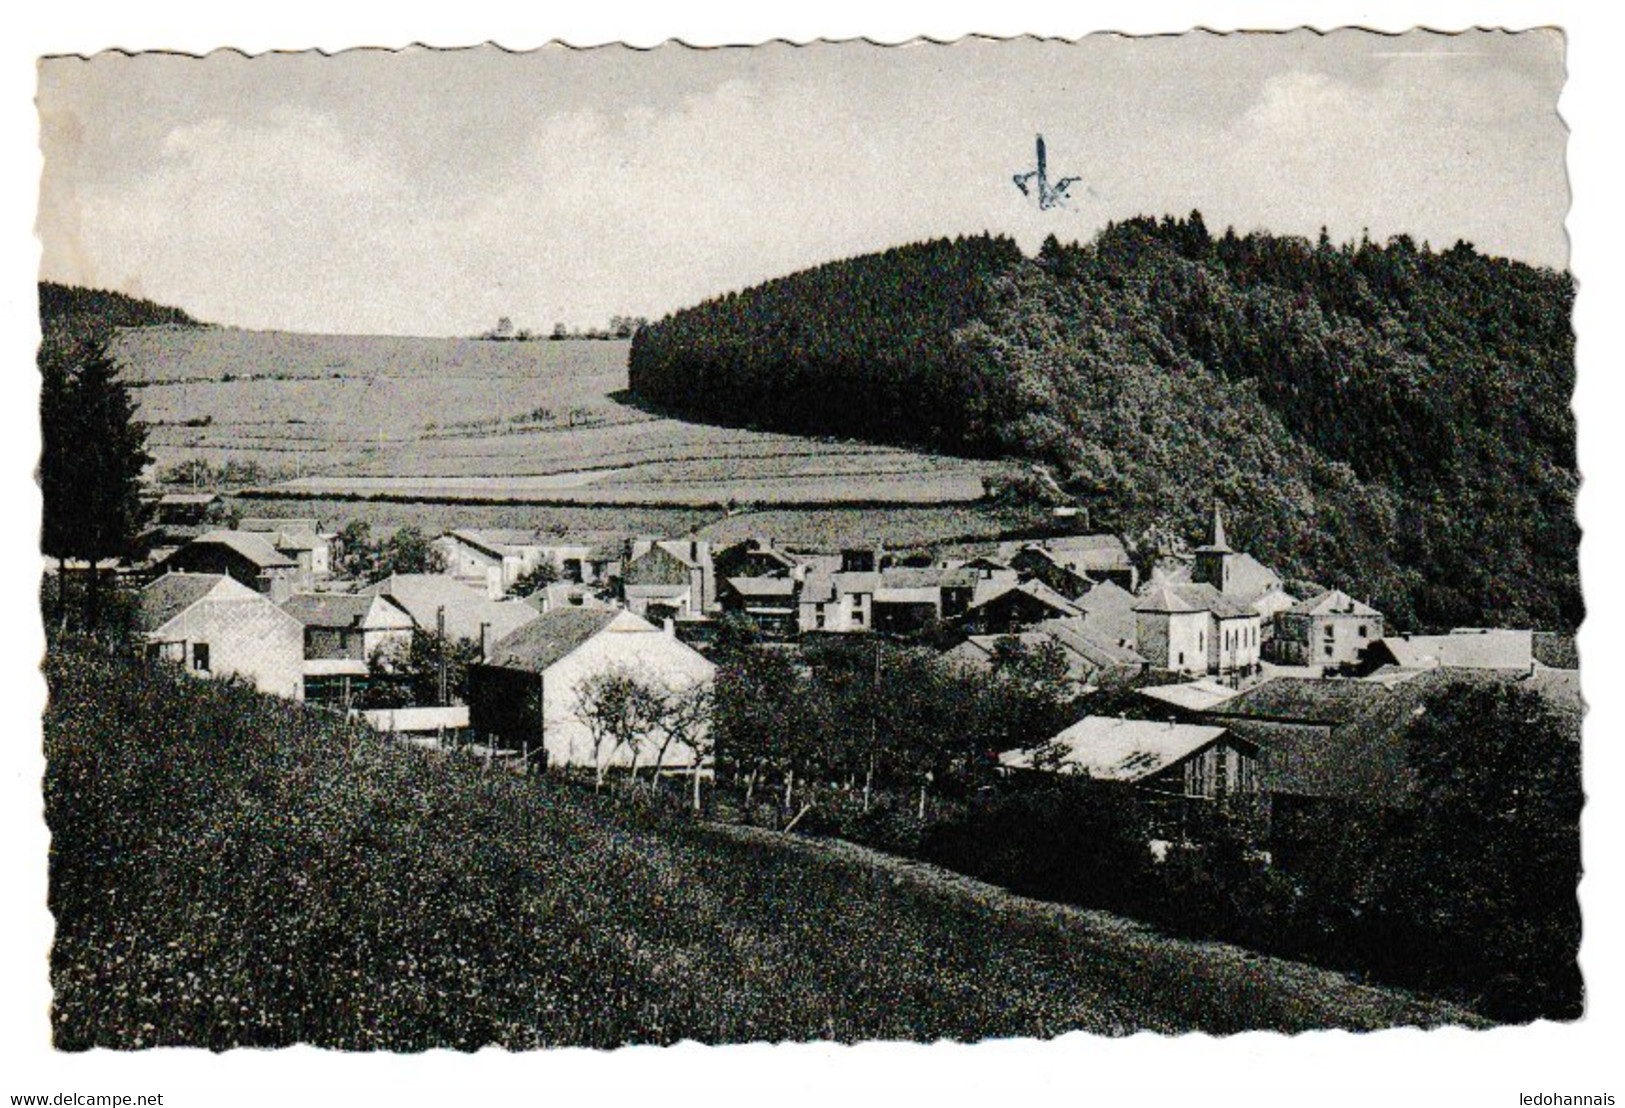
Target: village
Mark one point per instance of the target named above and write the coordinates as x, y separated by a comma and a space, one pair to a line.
1204, 679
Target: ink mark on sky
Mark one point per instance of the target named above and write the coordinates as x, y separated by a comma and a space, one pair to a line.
1049, 196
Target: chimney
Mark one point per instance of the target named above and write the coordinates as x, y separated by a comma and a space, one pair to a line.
669, 625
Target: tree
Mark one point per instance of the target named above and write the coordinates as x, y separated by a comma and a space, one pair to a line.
1484, 884
683, 718
409, 550
536, 579
407, 674
93, 451
354, 552
620, 711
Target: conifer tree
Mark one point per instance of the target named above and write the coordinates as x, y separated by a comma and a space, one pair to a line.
93, 451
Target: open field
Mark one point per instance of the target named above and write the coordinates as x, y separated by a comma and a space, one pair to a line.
829, 527
531, 422
233, 870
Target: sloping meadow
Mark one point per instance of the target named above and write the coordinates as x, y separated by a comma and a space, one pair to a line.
232, 870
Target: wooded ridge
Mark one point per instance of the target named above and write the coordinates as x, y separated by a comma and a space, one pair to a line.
1387, 419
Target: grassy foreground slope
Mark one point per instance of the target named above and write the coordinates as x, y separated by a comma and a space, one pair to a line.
232, 870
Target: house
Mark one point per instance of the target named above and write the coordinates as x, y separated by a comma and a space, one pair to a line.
907, 598
299, 539
1332, 629
1463, 648
1334, 738
1108, 609
215, 626
249, 559
1181, 760
664, 579
1196, 629
756, 557
1018, 606
1108, 659
851, 607
772, 604
527, 694
1091, 660
1073, 564
435, 599
1239, 577
1188, 697
564, 594
1034, 562
185, 509
495, 558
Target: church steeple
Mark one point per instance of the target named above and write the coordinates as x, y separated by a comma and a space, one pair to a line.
1213, 560
1215, 535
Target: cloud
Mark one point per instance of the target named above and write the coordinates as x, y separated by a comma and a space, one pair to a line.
270, 202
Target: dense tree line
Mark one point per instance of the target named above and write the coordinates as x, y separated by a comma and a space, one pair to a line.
73, 319
1384, 418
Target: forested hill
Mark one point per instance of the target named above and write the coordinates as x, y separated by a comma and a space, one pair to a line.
72, 317
1385, 419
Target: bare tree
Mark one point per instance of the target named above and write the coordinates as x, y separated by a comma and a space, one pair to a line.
685, 720
619, 711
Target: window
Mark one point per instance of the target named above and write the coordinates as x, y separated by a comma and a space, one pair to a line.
1361, 631
1330, 631
1181, 657
200, 657
1328, 650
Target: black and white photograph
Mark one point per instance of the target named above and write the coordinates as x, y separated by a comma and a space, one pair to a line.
1058, 543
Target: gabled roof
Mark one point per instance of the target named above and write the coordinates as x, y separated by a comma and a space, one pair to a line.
1163, 597
680, 549
548, 638
1332, 602
188, 499
251, 546
1205, 597
291, 525
1033, 590
1328, 701
1250, 579
173, 593
1078, 553
561, 594
424, 594
1101, 650
927, 577
1467, 649
1106, 596
1193, 696
1111, 749
1109, 612
343, 610
1349, 738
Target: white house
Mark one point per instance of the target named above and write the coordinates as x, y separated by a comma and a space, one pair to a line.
215, 626
527, 693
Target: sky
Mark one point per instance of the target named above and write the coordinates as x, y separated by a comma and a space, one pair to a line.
432, 192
